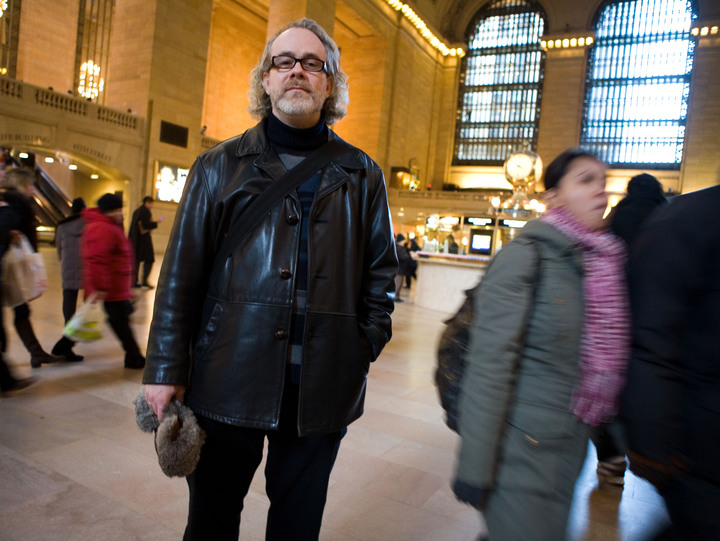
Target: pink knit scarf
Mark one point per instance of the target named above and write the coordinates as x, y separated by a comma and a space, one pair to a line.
605, 345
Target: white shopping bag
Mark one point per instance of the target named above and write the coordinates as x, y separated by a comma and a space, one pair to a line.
23, 274
84, 326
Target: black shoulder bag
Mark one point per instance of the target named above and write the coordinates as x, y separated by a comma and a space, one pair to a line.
243, 225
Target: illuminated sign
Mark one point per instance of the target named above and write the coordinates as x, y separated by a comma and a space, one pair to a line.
514, 223
170, 182
479, 221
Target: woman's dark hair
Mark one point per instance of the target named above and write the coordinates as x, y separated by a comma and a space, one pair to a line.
560, 165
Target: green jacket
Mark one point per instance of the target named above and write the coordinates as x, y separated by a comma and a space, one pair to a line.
519, 436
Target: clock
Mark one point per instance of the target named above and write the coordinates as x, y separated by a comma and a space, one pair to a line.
523, 169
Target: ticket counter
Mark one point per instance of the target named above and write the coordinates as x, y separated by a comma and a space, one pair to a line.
443, 279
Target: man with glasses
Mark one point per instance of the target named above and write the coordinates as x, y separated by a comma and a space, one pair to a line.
272, 339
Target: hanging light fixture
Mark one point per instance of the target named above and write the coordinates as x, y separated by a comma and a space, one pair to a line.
3, 7
91, 84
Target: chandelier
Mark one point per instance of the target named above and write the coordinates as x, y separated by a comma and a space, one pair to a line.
91, 84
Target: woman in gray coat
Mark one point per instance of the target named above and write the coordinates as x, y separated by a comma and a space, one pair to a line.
67, 242
547, 355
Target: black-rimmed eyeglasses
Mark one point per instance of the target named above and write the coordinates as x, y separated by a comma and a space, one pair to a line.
285, 63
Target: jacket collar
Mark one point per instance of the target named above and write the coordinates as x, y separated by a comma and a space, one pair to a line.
254, 142
552, 236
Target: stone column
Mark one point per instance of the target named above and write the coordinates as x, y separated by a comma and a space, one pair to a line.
702, 137
562, 101
283, 12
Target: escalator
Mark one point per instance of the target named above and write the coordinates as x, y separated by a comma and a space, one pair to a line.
51, 205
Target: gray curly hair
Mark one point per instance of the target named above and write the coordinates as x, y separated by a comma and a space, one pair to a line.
335, 106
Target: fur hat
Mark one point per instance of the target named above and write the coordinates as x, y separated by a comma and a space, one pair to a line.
178, 439
109, 201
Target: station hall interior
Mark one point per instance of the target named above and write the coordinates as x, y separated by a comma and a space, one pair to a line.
120, 96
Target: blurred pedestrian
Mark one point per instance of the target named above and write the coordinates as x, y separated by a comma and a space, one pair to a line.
671, 406
141, 226
8, 382
546, 360
108, 263
644, 196
67, 243
411, 246
19, 186
404, 265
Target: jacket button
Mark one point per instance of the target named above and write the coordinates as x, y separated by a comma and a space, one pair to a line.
280, 334
292, 219
285, 274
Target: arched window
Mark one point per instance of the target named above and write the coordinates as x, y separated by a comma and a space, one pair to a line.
636, 95
499, 96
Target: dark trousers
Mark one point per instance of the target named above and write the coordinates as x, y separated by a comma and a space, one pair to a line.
70, 297
147, 267
608, 441
119, 319
22, 312
6, 378
297, 473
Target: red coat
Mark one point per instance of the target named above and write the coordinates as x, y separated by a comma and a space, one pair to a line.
107, 257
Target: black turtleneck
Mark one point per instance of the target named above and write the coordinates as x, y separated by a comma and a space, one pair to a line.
288, 138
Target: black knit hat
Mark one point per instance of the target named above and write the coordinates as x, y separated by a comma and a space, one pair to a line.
78, 204
109, 202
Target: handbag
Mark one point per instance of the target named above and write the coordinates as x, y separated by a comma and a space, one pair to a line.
24, 277
453, 349
84, 326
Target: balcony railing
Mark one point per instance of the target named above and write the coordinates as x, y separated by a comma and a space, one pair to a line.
33, 96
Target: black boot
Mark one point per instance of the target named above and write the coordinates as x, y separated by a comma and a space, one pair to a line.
38, 356
135, 361
63, 348
9, 383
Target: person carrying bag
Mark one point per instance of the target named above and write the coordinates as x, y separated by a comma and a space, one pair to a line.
24, 276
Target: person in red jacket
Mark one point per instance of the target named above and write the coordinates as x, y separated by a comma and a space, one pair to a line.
108, 266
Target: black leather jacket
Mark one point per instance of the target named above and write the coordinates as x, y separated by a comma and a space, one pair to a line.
221, 328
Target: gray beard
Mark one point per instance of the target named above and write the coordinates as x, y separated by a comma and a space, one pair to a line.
305, 105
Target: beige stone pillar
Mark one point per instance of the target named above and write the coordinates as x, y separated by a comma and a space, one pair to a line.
283, 12
702, 137
562, 101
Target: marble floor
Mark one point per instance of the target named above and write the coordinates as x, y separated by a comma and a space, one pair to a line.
74, 466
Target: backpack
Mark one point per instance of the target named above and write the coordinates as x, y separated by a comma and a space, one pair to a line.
452, 350
453, 347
